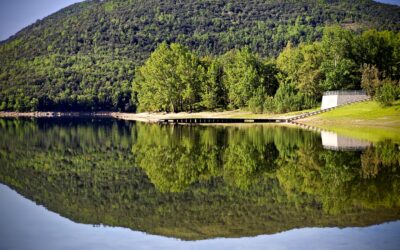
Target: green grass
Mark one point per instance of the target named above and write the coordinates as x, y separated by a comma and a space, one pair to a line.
370, 110
365, 120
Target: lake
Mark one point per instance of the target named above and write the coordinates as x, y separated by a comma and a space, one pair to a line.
103, 183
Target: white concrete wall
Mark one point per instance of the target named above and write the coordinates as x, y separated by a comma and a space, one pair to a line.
329, 101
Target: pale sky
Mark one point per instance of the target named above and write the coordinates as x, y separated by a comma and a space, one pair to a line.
17, 14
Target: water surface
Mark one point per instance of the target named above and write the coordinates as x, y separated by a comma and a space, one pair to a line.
105, 183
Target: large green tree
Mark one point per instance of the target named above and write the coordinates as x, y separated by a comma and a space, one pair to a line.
213, 91
338, 65
381, 49
169, 80
245, 75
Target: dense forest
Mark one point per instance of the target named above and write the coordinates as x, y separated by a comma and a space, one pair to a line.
197, 182
86, 56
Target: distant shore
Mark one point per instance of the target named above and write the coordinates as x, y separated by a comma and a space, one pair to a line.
100, 114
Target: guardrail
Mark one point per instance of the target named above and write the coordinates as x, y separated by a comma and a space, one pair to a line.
346, 92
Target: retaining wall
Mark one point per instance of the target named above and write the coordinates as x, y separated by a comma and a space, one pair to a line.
336, 98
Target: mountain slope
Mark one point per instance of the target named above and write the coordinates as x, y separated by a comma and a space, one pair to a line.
84, 56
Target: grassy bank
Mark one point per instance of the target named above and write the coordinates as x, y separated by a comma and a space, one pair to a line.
366, 120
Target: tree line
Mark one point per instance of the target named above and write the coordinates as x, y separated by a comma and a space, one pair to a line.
176, 79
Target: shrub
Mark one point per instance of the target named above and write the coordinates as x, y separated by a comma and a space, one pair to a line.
256, 102
388, 92
287, 99
269, 104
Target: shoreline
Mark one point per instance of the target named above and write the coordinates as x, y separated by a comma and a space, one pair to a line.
371, 130
143, 117
99, 114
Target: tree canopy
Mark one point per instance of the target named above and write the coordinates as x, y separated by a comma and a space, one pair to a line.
170, 80
175, 79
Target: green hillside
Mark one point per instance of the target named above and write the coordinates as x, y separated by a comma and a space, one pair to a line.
84, 56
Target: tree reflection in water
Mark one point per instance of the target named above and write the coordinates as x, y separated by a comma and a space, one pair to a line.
196, 182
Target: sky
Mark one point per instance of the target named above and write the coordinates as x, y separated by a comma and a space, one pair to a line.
17, 14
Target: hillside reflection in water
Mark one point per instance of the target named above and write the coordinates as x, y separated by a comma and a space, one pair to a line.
196, 182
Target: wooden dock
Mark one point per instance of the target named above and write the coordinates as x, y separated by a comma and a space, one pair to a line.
219, 120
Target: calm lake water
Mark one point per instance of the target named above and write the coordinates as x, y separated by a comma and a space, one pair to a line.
102, 184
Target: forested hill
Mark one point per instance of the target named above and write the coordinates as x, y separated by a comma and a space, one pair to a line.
84, 56
134, 28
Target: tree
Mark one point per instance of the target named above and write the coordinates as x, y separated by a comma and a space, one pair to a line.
243, 74
289, 61
256, 102
301, 71
338, 65
370, 81
340, 74
286, 98
381, 49
169, 80
269, 72
309, 71
213, 93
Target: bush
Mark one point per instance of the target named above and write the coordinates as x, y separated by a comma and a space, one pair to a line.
269, 104
287, 99
388, 92
256, 102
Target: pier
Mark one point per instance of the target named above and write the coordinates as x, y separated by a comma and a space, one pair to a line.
219, 120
